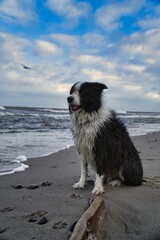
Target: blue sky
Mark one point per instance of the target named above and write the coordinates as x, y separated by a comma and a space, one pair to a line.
65, 41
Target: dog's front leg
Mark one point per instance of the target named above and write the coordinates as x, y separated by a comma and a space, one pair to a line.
98, 188
83, 178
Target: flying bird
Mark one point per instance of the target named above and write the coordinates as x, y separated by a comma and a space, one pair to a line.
25, 67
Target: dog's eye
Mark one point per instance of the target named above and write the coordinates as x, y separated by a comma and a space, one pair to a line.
81, 91
72, 90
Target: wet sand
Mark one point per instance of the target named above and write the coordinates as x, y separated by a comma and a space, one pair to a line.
44, 194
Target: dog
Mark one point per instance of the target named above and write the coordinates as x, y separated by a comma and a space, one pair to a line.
101, 139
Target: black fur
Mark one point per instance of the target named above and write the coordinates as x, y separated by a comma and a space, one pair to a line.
114, 153
113, 149
90, 95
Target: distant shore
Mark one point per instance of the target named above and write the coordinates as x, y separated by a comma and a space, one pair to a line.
44, 190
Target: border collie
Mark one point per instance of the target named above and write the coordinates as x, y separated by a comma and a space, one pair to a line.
101, 139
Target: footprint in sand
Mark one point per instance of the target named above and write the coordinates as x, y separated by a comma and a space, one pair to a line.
76, 196
46, 184
38, 216
60, 225
33, 186
6, 210
152, 182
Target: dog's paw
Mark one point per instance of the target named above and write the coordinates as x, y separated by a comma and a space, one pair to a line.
79, 185
98, 190
115, 183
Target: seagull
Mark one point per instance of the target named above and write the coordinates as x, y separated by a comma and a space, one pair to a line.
25, 67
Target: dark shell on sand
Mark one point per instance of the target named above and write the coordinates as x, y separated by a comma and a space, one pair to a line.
33, 186
42, 220
2, 230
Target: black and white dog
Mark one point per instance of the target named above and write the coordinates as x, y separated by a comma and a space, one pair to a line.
101, 139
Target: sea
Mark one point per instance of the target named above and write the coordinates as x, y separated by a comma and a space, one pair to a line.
28, 132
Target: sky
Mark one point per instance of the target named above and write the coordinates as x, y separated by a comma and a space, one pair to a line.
66, 41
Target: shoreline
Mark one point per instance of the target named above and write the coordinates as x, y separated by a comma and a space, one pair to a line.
44, 190
24, 166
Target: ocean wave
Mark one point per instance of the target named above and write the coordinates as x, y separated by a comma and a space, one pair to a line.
3, 131
66, 116
23, 167
2, 108
35, 132
143, 129
140, 116
5, 113
121, 112
21, 158
55, 110
33, 114
57, 116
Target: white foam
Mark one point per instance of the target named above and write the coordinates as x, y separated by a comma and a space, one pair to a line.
121, 112
57, 150
18, 169
143, 129
55, 110
16, 161
21, 168
33, 114
66, 147
5, 113
6, 173
57, 116
65, 116
140, 116
21, 158
2, 108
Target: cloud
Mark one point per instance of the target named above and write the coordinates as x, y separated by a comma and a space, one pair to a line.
133, 88
139, 54
129, 69
88, 44
19, 12
129, 64
135, 68
154, 95
49, 73
152, 19
109, 16
94, 74
12, 48
46, 47
71, 10
65, 39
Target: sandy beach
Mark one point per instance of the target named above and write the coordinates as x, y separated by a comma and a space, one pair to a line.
39, 203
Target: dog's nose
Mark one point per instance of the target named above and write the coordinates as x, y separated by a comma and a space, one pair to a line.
70, 99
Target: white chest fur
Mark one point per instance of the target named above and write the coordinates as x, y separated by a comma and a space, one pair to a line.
84, 128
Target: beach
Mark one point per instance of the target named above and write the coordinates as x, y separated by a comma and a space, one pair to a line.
29, 132
39, 203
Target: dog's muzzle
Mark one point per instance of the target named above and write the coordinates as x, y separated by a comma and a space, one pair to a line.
72, 106
70, 99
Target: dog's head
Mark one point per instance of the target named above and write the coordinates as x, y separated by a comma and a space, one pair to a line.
86, 96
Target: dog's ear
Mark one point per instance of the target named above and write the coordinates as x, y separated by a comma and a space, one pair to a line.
99, 87
73, 87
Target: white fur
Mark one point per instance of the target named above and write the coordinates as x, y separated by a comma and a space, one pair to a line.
75, 94
83, 178
115, 183
98, 188
84, 128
